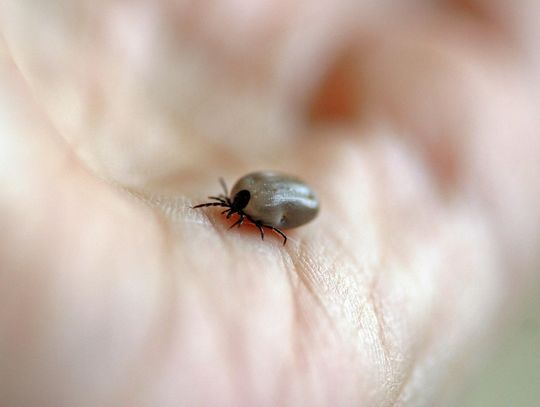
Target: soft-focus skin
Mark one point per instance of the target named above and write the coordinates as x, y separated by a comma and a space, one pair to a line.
417, 124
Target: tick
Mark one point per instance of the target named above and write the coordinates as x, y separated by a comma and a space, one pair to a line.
268, 199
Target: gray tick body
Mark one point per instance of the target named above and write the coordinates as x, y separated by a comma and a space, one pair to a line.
268, 200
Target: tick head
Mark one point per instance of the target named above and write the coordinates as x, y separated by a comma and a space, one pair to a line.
240, 200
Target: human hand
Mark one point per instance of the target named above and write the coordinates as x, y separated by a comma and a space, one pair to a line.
421, 141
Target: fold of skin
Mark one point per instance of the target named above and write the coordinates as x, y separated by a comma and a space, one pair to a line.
418, 128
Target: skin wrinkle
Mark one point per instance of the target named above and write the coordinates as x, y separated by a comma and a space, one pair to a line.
364, 300
302, 264
344, 251
322, 299
409, 368
414, 354
313, 329
306, 272
302, 327
389, 371
297, 351
331, 272
405, 375
424, 338
408, 375
332, 318
428, 339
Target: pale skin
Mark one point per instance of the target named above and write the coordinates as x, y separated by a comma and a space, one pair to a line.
418, 128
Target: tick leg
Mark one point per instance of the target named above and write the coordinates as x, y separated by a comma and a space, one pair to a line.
218, 198
279, 232
238, 222
259, 225
231, 213
224, 186
209, 204
256, 223
242, 216
221, 198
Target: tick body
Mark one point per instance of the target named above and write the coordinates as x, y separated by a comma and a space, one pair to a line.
269, 200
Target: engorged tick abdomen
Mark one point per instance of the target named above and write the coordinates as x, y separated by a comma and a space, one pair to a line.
277, 199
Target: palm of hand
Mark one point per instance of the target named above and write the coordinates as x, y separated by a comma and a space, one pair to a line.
126, 296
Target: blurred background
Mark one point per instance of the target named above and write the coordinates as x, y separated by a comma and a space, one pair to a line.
511, 377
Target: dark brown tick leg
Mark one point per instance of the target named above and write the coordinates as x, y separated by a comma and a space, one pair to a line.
218, 198
279, 232
224, 186
238, 222
242, 216
259, 225
210, 204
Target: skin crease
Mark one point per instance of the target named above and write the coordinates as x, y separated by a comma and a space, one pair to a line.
416, 124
